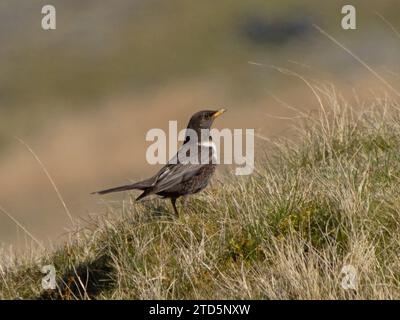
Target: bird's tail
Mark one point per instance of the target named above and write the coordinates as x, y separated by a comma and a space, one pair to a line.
142, 185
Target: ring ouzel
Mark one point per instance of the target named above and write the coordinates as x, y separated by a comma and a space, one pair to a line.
189, 171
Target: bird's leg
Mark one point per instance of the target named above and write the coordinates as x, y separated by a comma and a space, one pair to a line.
173, 201
185, 202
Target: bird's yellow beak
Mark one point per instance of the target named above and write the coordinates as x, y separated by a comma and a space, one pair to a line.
218, 113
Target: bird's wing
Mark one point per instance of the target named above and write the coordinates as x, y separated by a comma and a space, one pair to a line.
183, 166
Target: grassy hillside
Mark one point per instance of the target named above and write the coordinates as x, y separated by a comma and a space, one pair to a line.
84, 96
328, 198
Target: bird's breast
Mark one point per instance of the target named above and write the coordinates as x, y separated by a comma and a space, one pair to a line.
211, 148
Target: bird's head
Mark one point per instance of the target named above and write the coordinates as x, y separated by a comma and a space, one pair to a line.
204, 119
201, 120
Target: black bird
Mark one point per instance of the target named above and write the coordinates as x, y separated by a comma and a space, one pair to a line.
189, 171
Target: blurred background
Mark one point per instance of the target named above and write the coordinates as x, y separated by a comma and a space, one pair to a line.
84, 95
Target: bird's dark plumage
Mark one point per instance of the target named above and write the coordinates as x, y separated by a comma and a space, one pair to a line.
189, 171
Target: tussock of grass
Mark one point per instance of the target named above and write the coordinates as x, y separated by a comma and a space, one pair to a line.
327, 199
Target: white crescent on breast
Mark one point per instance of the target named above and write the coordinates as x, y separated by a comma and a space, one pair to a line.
210, 144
